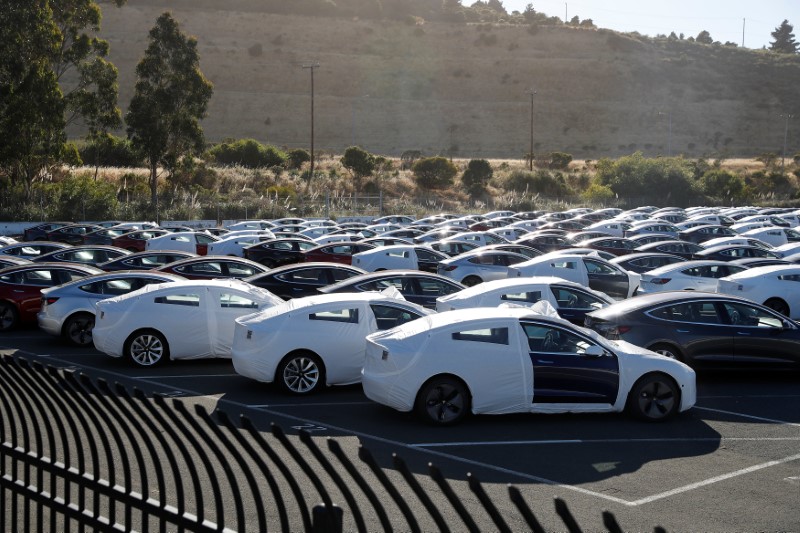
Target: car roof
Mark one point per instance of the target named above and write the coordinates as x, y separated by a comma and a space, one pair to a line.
663, 297
386, 274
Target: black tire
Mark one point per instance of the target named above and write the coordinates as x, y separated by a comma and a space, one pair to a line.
78, 329
301, 373
471, 281
776, 304
9, 317
667, 350
443, 401
654, 398
147, 348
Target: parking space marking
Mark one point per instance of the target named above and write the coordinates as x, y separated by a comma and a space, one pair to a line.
320, 404
753, 417
189, 376
716, 479
749, 396
595, 441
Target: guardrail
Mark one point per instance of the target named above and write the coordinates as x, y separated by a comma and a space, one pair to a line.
78, 453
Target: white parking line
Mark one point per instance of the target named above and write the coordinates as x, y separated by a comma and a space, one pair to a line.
188, 376
753, 417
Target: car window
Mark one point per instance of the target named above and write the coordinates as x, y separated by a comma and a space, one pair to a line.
306, 245
571, 265
206, 268
745, 315
112, 286
240, 270
595, 267
281, 246
380, 284
483, 259
523, 297
336, 315
236, 301
388, 316
205, 239
575, 299
151, 261
315, 276
789, 277
189, 299
491, 335
694, 312
549, 339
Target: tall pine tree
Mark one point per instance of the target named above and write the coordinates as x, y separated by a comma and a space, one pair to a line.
784, 39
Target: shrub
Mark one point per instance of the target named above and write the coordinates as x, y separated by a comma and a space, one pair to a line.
597, 193
559, 160
109, 151
297, 157
247, 153
359, 163
539, 182
723, 185
434, 172
81, 197
477, 176
650, 180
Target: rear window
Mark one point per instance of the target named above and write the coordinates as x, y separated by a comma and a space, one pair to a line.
192, 300
337, 315
492, 335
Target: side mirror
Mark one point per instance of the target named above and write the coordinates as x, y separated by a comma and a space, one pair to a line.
594, 351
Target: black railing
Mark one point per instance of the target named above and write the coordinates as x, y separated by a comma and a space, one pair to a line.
78, 453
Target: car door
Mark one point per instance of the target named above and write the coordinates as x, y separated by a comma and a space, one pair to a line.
607, 279
761, 336
698, 327
428, 260
225, 305
389, 316
181, 315
426, 290
202, 242
573, 304
562, 370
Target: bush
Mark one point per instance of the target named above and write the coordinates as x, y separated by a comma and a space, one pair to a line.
538, 182
434, 172
723, 185
109, 151
297, 157
248, 153
359, 163
657, 181
597, 193
477, 176
560, 160
81, 197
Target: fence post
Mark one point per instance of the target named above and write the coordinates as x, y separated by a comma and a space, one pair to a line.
328, 204
380, 203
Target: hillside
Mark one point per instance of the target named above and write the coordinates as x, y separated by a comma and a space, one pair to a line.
462, 89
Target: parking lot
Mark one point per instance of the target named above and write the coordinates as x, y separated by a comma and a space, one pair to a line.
730, 464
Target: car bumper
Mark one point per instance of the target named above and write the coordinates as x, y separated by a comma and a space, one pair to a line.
385, 390
48, 324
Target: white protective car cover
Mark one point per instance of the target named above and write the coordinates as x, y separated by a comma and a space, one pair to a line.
423, 348
261, 340
568, 267
191, 332
489, 294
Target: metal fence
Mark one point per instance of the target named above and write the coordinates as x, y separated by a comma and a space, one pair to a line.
78, 453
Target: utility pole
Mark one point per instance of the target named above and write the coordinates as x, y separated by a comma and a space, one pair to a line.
566, 8
743, 23
531, 91
669, 138
311, 67
785, 137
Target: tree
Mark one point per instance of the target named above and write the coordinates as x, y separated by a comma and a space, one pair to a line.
170, 98
704, 37
477, 176
42, 41
434, 172
784, 42
359, 163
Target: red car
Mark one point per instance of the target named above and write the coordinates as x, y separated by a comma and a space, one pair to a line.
214, 266
135, 240
20, 286
339, 252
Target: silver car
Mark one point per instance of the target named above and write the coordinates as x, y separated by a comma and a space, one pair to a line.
68, 310
471, 268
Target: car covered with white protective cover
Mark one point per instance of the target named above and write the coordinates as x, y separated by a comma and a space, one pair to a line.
307, 343
516, 360
571, 300
178, 320
776, 287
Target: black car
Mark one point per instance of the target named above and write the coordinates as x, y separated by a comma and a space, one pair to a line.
579, 236
545, 243
71, 234
521, 249
103, 236
645, 262
644, 238
279, 251
303, 279
705, 233
146, 260
687, 250
39, 232
452, 248
613, 245
421, 288
753, 262
84, 255
702, 329
31, 250
729, 253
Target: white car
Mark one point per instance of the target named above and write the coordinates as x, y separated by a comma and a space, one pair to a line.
688, 275
68, 310
513, 360
235, 245
5, 241
776, 287
735, 241
307, 343
481, 238
195, 242
178, 320
251, 224
588, 270
478, 266
571, 300
398, 257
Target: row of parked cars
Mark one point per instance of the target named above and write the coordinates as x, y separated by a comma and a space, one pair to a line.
372, 315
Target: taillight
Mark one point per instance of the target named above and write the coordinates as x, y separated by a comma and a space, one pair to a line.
660, 281
448, 268
48, 300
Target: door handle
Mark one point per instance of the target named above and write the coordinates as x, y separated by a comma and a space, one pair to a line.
543, 362
682, 330
742, 333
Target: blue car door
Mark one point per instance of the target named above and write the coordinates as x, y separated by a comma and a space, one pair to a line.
562, 370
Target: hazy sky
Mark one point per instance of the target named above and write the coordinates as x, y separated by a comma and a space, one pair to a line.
721, 18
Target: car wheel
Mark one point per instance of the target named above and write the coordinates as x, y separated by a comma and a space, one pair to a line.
443, 401
471, 281
147, 348
776, 304
654, 398
301, 373
8, 316
667, 350
78, 329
